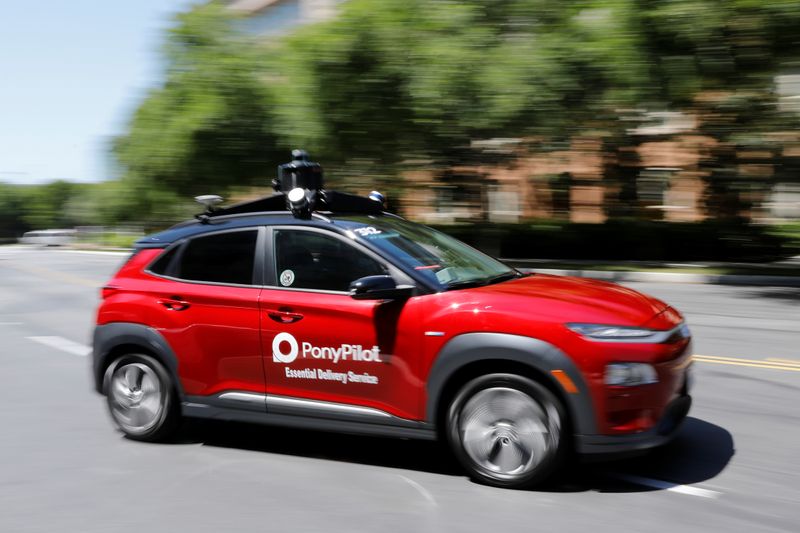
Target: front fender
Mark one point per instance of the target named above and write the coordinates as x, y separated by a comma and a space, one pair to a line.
539, 355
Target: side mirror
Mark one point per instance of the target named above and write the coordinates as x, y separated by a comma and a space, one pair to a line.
379, 288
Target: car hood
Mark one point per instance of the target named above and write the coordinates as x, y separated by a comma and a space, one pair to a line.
571, 299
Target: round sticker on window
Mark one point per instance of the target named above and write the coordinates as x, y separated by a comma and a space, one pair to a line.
287, 278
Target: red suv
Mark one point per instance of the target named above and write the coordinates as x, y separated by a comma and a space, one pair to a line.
319, 310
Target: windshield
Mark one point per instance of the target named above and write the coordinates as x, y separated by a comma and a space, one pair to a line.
445, 261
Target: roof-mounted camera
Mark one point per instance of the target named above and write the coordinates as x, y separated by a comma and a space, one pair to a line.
300, 188
300, 172
301, 180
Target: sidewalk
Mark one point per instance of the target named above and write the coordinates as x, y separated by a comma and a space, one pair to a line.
780, 274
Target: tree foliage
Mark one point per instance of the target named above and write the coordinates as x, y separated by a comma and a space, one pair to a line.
421, 78
390, 81
208, 126
393, 83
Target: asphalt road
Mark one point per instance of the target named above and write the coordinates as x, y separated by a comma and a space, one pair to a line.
63, 468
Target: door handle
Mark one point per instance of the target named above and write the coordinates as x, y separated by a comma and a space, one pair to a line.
174, 303
284, 316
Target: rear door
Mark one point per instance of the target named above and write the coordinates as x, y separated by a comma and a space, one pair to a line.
321, 344
205, 304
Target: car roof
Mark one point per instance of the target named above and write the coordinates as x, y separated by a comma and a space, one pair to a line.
192, 228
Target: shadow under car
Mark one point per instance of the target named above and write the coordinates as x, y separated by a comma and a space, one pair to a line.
699, 452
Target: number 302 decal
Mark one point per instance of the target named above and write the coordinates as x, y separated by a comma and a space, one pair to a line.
369, 230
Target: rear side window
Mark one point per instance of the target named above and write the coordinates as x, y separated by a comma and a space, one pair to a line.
220, 258
161, 265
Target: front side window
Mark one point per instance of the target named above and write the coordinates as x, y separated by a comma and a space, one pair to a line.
221, 258
312, 260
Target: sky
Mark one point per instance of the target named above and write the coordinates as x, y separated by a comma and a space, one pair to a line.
71, 74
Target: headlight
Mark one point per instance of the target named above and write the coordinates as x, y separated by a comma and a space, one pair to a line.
606, 332
630, 374
610, 333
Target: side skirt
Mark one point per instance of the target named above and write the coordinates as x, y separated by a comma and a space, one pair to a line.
304, 414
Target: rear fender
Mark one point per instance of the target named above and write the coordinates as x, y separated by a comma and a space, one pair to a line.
109, 337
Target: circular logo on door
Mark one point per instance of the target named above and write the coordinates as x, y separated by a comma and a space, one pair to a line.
280, 340
287, 278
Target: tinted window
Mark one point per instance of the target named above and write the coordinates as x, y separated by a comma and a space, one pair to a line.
161, 265
221, 258
310, 260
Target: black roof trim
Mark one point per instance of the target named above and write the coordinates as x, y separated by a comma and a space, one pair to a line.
267, 210
330, 201
274, 203
193, 228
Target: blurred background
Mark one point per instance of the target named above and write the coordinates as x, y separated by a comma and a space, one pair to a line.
575, 136
597, 130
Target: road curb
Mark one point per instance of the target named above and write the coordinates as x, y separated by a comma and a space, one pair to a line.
674, 277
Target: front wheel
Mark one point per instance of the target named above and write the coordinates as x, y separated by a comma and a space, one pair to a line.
506, 430
141, 398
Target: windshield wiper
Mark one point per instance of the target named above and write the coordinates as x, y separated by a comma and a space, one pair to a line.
466, 284
470, 283
503, 277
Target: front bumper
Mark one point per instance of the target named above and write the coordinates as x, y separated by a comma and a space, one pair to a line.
667, 428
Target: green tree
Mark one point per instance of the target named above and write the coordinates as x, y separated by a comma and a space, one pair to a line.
12, 205
719, 60
395, 81
208, 127
43, 205
394, 84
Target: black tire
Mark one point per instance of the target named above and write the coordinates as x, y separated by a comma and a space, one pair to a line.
495, 419
142, 398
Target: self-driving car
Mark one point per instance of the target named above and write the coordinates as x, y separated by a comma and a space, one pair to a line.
319, 309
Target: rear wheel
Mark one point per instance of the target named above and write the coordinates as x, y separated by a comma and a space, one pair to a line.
506, 430
141, 398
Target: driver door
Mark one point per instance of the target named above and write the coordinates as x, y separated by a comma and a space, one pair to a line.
318, 343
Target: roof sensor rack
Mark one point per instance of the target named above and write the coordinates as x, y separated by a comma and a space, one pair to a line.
299, 173
300, 190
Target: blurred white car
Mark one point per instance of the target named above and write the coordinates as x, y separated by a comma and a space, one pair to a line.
49, 237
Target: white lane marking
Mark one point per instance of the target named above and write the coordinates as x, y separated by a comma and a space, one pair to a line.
65, 345
419, 488
666, 485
